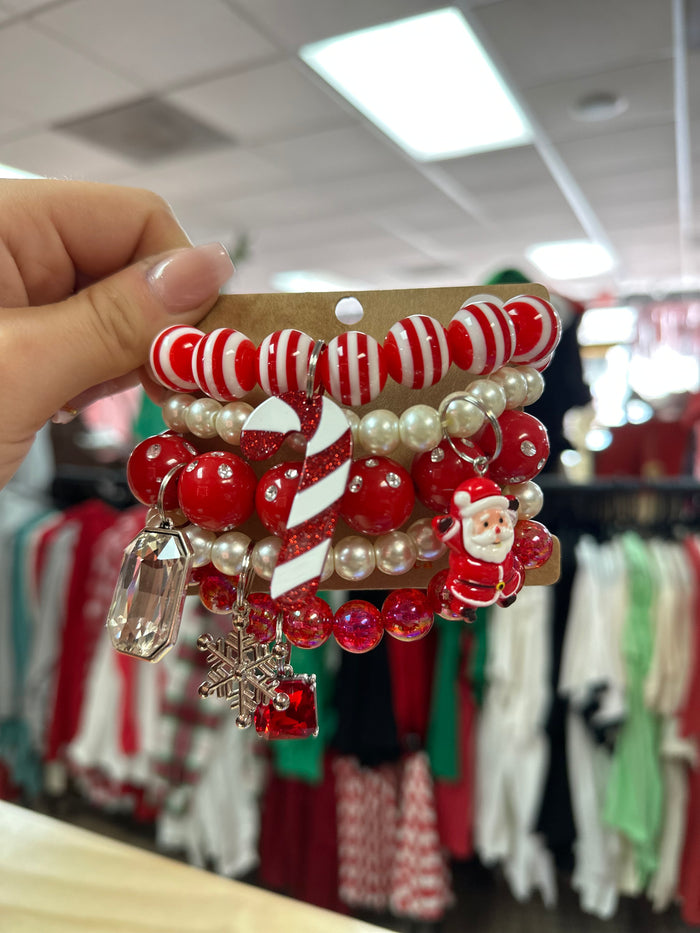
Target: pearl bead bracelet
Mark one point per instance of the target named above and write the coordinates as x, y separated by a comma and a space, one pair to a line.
419, 428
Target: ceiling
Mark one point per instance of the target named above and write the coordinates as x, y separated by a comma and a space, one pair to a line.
287, 169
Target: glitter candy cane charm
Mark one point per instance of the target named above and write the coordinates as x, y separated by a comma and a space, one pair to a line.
315, 508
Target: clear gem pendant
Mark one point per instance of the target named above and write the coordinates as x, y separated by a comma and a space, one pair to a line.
144, 618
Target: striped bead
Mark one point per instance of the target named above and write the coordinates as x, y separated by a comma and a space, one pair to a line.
416, 351
353, 369
283, 361
224, 364
537, 328
481, 337
171, 357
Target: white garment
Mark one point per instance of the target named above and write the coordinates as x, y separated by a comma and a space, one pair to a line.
592, 666
665, 691
512, 747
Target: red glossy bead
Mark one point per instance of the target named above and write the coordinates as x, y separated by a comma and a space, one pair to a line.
262, 621
217, 491
438, 472
218, 592
379, 496
357, 626
283, 361
537, 328
481, 337
407, 614
353, 368
439, 596
533, 544
171, 357
275, 494
309, 624
525, 447
223, 364
416, 351
151, 461
296, 720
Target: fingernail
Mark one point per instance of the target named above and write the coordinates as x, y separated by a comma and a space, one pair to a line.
188, 277
65, 415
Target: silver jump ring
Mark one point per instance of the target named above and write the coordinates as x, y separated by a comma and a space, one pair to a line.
160, 502
245, 578
481, 463
318, 349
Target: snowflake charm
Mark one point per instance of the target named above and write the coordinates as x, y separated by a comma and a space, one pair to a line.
244, 671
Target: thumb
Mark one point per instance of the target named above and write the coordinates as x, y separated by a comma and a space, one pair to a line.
104, 332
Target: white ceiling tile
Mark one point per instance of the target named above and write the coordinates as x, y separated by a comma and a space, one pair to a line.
647, 88
621, 152
51, 82
58, 156
267, 208
332, 154
502, 170
24, 6
303, 21
159, 43
262, 104
542, 41
215, 176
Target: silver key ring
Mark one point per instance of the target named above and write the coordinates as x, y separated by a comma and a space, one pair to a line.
318, 349
166, 522
481, 463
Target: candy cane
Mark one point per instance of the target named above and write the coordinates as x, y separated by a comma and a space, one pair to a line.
323, 480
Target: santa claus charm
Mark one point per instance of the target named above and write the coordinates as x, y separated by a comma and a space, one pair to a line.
479, 533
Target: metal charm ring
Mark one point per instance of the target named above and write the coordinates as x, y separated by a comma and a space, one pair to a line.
245, 578
481, 463
166, 522
315, 356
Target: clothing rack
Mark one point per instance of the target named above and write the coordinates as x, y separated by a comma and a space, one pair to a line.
654, 506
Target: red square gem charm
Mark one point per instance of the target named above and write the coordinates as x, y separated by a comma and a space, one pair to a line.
297, 719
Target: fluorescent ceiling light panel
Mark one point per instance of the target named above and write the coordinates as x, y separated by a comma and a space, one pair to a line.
571, 259
9, 171
611, 325
426, 82
300, 280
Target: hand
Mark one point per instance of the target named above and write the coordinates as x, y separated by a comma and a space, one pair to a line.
89, 274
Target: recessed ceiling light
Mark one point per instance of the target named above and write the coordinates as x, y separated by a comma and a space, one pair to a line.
571, 259
602, 105
426, 82
301, 280
9, 171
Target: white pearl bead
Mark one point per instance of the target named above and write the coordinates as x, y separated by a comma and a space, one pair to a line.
201, 540
354, 422
230, 420
513, 383
265, 554
379, 431
329, 566
419, 428
529, 496
462, 418
428, 546
354, 558
176, 516
175, 411
395, 552
201, 416
490, 395
535, 383
228, 551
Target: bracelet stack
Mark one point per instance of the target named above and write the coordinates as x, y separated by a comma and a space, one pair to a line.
478, 440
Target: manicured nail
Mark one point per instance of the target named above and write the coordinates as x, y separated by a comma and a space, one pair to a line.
65, 415
188, 277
